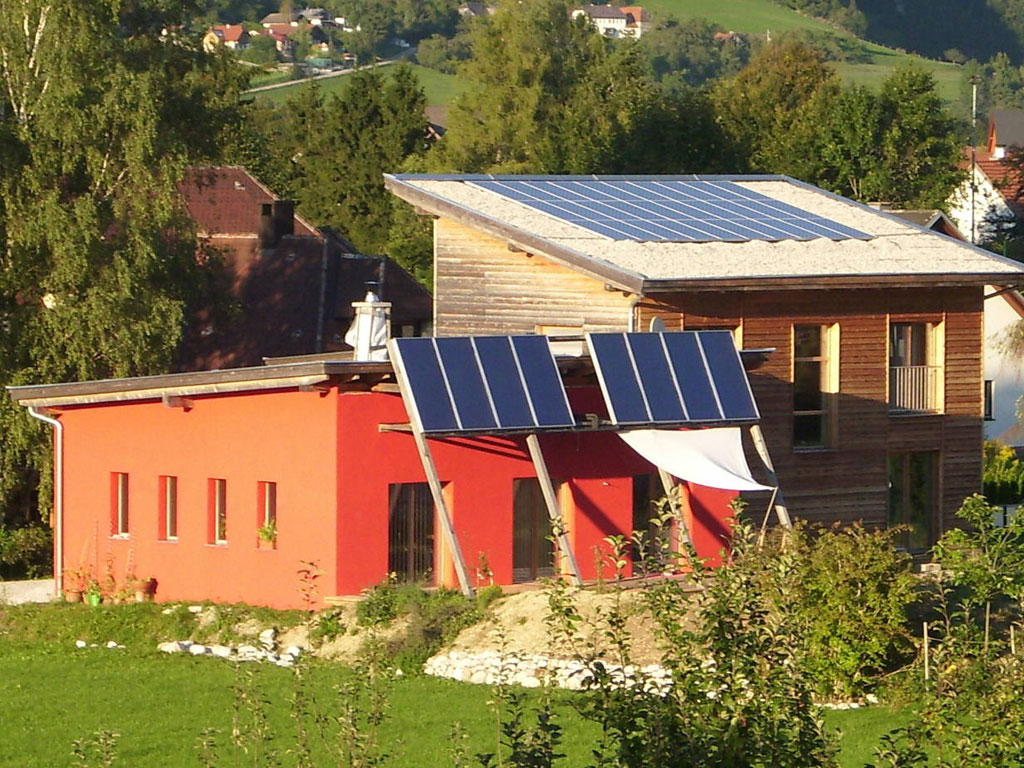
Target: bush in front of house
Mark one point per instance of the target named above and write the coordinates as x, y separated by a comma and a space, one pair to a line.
26, 553
850, 595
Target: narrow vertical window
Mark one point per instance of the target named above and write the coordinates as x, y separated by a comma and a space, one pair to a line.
168, 507
218, 511
990, 402
411, 519
119, 503
814, 383
267, 515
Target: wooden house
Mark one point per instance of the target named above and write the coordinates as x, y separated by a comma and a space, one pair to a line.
872, 399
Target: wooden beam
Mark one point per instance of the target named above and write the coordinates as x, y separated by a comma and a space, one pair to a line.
394, 427
427, 458
668, 484
762, 450
386, 386
554, 512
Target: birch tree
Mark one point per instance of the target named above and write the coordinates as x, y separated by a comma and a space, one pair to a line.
103, 104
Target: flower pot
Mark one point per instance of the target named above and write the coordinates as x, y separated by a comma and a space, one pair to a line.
262, 543
94, 599
72, 595
143, 589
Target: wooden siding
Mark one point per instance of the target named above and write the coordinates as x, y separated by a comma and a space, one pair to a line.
484, 288
481, 287
849, 481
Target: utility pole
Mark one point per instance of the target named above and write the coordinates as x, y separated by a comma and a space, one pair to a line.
974, 153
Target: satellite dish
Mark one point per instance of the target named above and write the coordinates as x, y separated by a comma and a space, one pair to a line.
657, 325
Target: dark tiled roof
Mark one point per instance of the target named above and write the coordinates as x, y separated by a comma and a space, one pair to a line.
227, 200
602, 12
288, 297
1009, 126
280, 18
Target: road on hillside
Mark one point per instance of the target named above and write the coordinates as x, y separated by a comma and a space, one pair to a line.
339, 73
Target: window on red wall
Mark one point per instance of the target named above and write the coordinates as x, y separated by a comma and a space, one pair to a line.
266, 494
168, 508
217, 511
119, 503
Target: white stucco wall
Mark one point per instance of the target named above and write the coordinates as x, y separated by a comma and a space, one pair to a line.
988, 203
1006, 372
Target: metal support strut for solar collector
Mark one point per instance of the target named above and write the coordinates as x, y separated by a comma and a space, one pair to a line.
554, 511
437, 491
762, 450
669, 485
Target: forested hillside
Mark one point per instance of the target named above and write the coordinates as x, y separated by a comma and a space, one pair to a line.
956, 30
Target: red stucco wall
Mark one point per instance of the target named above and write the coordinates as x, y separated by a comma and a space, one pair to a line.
282, 437
333, 467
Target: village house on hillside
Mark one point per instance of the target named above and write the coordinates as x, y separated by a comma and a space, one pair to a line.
872, 399
991, 199
611, 21
233, 36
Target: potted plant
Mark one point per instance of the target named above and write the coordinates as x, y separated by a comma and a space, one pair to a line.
266, 536
93, 593
74, 584
144, 589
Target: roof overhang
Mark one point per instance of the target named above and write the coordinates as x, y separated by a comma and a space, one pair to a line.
633, 282
298, 374
268, 377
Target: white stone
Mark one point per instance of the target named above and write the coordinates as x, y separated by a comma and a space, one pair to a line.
171, 647
195, 609
294, 651
285, 661
197, 649
80, 643
169, 611
530, 682
222, 651
111, 643
267, 637
871, 698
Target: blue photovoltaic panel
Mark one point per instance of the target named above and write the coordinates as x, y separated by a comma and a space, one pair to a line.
504, 381
670, 210
423, 371
626, 402
687, 359
486, 384
672, 378
730, 379
543, 382
466, 383
658, 381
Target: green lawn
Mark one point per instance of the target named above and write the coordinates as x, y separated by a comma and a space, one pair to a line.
440, 89
160, 704
761, 16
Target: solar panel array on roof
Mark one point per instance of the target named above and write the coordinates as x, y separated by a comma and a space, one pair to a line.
675, 211
672, 378
482, 384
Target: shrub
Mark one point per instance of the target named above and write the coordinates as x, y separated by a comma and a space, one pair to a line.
739, 697
850, 597
1003, 478
26, 552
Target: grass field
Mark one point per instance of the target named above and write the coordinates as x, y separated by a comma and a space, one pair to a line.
440, 89
761, 16
160, 704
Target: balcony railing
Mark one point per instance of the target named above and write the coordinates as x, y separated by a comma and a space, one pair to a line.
914, 388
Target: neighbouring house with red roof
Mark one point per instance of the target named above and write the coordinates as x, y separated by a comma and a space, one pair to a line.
233, 36
992, 197
628, 21
291, 286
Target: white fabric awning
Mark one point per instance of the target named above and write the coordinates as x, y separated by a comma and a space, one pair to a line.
712, 457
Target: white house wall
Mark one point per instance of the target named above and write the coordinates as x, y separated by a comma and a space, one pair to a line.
1005, 371
989, 205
